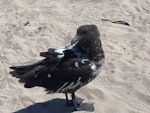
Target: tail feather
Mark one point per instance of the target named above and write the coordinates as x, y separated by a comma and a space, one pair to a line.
31, 74
27, 66
27, 74
20, 70
15, 74
33, 77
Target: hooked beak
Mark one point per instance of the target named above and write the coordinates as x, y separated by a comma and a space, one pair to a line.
75, 39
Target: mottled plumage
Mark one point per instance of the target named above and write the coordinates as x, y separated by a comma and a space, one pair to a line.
65, 70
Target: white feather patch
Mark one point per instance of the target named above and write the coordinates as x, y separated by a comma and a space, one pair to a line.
66, 88
49, 75
58, 90
76, 64
83, 61
60, 56
72, 85
93, 66
77, 84
60, 50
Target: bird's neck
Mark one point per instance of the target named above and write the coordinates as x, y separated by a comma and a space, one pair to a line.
92, 48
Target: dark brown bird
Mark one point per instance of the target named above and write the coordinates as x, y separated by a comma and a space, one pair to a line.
65, 70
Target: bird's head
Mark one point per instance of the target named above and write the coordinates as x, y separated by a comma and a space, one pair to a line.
87, 41
86, 33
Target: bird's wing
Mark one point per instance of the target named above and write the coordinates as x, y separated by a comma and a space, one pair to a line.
70, 74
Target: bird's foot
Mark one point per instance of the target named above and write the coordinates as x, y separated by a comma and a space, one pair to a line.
78, 102
77, 109
75, 102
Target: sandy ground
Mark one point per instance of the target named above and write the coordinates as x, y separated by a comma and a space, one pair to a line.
28, 27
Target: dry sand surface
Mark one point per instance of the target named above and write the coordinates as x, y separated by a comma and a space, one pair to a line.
28, 27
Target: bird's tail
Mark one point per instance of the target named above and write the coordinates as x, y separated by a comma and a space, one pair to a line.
28, 74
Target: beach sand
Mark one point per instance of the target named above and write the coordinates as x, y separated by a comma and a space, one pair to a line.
28, 27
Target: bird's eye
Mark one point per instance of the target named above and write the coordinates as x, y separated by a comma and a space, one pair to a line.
81, 32
84, 32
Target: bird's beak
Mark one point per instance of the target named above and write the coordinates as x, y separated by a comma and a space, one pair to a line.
75, 39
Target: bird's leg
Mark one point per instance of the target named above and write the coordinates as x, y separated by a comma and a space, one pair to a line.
74, 102
67, 101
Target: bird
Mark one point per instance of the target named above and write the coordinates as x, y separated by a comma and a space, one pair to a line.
66, 69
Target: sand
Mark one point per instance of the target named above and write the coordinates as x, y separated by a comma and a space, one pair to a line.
28, 27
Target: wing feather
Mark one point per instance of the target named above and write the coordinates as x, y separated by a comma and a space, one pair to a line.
66, 76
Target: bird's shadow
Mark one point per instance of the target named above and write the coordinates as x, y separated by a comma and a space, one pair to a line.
55, 106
